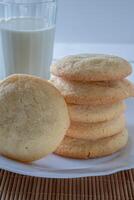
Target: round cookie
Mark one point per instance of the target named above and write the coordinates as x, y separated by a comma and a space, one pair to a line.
33, 118
90, 114
91, 67
83, 149
95, 131
93, 93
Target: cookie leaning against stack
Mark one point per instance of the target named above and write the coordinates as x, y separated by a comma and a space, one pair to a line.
94, 87
33, 117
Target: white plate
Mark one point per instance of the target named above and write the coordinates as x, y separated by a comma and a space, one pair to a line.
57, 167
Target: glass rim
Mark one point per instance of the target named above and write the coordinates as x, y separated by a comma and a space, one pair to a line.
25, 2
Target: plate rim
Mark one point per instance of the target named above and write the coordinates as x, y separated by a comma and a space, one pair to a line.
66, 176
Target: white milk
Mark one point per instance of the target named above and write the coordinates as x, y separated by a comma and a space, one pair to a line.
27, 46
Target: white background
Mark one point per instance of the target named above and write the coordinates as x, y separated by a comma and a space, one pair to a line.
95, 21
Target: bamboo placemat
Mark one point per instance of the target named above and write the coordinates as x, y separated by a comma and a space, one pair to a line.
119, 186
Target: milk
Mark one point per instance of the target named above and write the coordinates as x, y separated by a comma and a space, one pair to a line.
27, 45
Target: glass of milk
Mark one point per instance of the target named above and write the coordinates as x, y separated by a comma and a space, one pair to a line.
27, 29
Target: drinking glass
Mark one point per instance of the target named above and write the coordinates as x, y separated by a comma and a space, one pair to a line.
27, 30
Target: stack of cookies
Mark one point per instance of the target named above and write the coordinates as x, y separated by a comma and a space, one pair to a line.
94, 87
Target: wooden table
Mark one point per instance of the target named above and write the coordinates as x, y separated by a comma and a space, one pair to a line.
119, 186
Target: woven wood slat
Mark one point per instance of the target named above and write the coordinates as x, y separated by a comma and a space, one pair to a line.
119, 186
